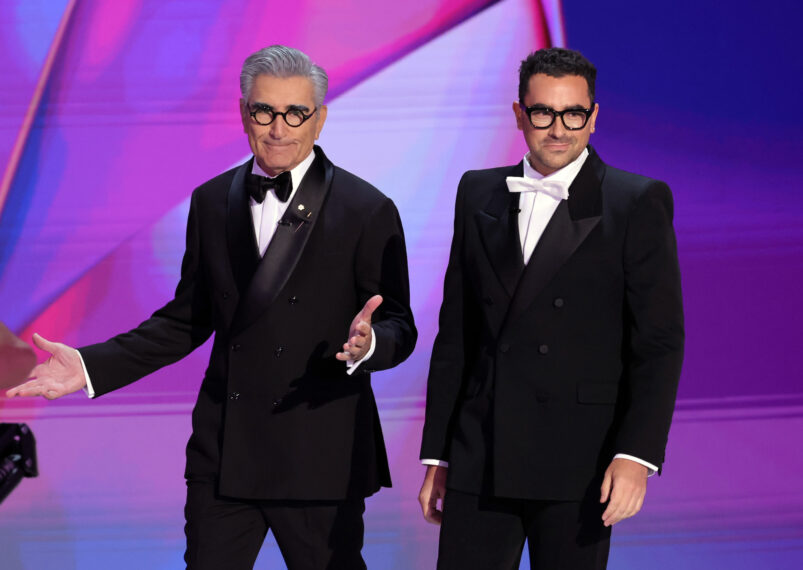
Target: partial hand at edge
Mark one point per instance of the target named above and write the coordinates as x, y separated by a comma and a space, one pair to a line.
433, 490
359, 342
625, 484
59, 375
17, 359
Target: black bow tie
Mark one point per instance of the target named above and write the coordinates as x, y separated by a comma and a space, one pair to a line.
282, 185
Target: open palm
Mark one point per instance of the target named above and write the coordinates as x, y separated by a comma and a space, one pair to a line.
59, 375
359, 341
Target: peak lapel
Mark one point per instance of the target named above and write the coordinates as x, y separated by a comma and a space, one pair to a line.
497, 224
567, 229
287, 244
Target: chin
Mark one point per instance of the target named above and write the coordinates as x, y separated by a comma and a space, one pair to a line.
274, 164
559, 160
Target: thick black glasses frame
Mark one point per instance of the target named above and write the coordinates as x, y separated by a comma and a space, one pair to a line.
283, 115
529, 111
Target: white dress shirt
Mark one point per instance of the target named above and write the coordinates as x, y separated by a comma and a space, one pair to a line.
537, 208
266, 215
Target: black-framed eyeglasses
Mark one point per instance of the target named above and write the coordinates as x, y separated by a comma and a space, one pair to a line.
265, 115
542, 117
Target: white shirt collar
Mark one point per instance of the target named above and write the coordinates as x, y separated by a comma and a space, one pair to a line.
297, 173
566, 174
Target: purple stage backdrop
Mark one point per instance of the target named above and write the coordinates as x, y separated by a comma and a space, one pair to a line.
112, 112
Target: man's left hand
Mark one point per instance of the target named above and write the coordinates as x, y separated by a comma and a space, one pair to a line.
359, 342
625, 484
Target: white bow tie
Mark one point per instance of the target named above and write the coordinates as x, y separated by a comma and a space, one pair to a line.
558, 189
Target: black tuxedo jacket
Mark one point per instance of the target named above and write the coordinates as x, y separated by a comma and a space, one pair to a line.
277, 417
540, 374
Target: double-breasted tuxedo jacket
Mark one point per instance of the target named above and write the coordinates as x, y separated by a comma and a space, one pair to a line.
277, 417
541, 374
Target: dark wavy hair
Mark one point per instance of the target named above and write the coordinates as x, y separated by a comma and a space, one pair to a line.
556, 62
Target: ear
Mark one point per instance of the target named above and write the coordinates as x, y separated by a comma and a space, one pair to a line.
321, 120
244, 116
593, 118
520, 116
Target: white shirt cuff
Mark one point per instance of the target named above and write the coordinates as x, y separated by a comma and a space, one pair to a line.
352, 365
651, 469
436, 462
88, 389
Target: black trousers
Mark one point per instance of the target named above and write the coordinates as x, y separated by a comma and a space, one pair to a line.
312, 535
489, 533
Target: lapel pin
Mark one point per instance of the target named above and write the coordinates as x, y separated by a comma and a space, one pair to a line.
301, 208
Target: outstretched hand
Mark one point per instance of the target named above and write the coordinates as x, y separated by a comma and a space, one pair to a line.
59, 375
359, 341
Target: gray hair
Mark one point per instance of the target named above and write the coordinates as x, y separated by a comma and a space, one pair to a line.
283, 61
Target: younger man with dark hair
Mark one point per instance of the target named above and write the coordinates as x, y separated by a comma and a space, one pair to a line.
554, 372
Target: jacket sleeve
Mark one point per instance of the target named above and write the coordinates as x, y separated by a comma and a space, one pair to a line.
449, 353
654, 333
171, 333
381, 268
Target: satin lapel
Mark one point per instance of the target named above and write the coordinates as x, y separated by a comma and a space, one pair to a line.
567, 229
240, 236
497, 224
287, 244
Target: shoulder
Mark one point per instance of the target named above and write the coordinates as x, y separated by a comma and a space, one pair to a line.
629, 187
633, 194
487, 176
343, 180
352, 192
629, 181
222, 180
476, 184
216, 188
617, 182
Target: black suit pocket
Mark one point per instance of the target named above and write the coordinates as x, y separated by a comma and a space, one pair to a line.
597, 393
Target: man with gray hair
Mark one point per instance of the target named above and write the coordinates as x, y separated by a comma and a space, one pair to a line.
282, 253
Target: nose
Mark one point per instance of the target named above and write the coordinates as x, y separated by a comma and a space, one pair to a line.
556, 129
278, 128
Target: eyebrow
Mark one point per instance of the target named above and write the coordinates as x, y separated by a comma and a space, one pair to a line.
303, 108
575, 107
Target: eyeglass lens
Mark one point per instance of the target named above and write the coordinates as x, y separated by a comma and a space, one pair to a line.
572, 119
265, 116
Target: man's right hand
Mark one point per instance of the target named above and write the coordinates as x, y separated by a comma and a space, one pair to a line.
432, 491
59, 375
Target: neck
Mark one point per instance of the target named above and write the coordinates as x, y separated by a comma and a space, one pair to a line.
541, 169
